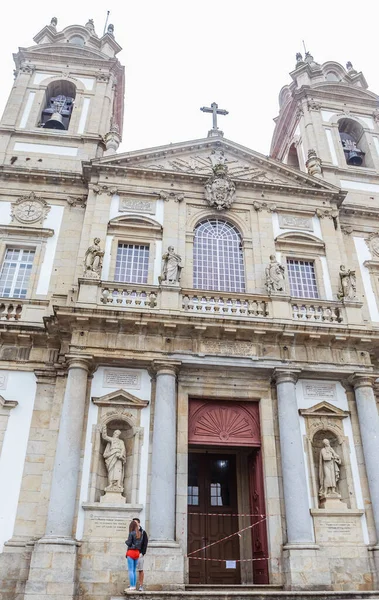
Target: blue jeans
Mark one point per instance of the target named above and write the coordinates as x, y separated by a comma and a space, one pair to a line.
132, 567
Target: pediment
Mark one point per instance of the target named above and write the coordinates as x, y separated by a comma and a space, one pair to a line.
324, 409
349, 91
195, 158
120, 398
299, 238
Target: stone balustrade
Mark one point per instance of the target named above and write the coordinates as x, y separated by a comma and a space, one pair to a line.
236, 305
317, 311
129, 296
10, 311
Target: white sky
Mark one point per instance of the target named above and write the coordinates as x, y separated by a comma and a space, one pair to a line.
184, 54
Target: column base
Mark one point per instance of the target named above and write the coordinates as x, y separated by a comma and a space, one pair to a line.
52, 574
303, 569
164, 566
374, 560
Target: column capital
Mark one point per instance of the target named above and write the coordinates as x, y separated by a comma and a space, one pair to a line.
79, 361
286, 375
359, 380
165, 367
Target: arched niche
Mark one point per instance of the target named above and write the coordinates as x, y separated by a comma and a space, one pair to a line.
118, 410
292, 157
325, 421
59, 102
354, 143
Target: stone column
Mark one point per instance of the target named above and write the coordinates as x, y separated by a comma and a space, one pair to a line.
163, 462
67, 458
298, 518
368, 418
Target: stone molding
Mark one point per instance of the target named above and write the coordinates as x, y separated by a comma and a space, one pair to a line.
362, 380
26, 231
160, 367
120, 398
7, 405
77, 361
286, 376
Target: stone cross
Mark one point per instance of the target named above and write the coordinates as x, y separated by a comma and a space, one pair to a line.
215, 110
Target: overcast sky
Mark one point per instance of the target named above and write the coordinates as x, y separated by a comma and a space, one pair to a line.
184, 54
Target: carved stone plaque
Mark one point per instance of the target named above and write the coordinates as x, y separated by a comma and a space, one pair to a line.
122, 379
3, 381
319, 391
137, 205
229, 348
341, 529
292, 222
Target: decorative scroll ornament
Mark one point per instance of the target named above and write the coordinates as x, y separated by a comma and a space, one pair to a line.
219, 189
373, 244
30, 209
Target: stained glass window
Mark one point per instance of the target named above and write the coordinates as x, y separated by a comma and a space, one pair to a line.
218, 257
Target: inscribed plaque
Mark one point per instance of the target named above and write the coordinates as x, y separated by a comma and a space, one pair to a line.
117, 378
319, 391
292, 222
137, 205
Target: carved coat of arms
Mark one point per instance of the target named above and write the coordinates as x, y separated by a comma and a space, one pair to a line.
219, 189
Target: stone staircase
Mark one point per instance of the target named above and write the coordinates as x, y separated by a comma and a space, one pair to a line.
246, 592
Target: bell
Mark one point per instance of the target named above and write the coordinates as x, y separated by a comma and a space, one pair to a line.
354, 158
55, 122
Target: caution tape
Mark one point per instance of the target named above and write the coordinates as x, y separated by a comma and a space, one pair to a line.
204, 514
226, 538
228, 559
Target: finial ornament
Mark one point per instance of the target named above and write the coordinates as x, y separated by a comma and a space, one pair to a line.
313, 163
54, 22
110, 29
215, 110
299, 59
90, 25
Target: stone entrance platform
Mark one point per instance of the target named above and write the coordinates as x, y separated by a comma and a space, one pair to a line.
254, 592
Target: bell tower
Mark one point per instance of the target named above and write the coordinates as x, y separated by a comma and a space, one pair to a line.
66, 104
328, 125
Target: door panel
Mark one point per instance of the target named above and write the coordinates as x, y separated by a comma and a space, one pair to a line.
212, 497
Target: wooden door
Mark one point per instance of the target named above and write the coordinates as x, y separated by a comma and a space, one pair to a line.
258, 509
212, 506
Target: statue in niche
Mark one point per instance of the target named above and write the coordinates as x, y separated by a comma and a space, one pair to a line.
172, 267
275, 281
115, 458
348, 284
93, 260
329, 471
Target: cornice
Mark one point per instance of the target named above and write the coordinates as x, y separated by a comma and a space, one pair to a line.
8, 172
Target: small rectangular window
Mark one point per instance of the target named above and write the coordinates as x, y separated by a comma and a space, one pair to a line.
132, 263
15, 272
302, 278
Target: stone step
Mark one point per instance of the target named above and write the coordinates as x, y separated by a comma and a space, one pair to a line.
247, 593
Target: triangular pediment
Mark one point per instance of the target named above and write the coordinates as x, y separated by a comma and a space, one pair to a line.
120, 398
195, 158
324, 409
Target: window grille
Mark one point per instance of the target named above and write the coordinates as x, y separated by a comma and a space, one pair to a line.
302, 278
15, 272
132, 263
218, 257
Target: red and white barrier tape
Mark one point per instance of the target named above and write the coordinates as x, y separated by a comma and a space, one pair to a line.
226, 538
229, 560
203, 514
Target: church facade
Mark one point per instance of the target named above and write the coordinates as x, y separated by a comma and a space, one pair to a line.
189, 335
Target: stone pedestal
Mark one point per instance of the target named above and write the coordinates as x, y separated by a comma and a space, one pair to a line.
113, 498
170, 296
52, 571
332, 502
101, 568
281, 307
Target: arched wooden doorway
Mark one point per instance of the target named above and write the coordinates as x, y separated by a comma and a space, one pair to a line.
226, 494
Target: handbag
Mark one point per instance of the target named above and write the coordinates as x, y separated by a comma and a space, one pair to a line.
132, 554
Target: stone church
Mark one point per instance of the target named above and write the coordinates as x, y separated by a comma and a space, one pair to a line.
189, 335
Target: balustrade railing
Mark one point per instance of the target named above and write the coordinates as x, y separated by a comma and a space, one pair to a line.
128, 296
225, 305
315, 311
10, 311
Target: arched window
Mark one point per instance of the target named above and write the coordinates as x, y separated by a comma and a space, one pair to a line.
292, 157
332, 76
354, 143
218, 257
77, 40
60, 96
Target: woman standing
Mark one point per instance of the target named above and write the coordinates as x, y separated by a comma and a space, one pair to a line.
134, 544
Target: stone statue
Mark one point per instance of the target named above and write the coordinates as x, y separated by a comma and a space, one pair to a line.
90, 26
275, 281
54, 22
110, 29
299, 57
115, 458
172, 267
329, 472
348, 284
93, 260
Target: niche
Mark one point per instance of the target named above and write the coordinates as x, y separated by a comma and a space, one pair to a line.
354, 143
318, 444
59, 102
292, 157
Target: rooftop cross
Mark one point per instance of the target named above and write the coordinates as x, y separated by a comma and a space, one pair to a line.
215, 110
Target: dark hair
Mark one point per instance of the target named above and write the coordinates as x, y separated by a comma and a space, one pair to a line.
134, 527
136, 519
